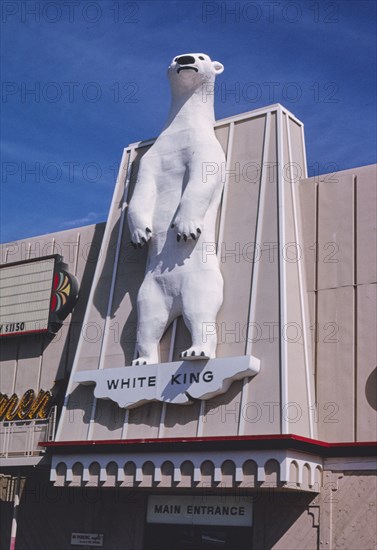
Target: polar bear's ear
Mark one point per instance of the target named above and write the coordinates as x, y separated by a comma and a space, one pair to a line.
219, 67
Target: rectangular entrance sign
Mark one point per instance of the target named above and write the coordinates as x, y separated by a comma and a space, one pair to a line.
87, 539
200, 510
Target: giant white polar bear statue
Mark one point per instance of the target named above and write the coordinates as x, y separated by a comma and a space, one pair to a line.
174, 208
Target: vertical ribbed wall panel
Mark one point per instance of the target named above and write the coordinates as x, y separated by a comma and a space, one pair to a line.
297, 382
339, 218
260, 409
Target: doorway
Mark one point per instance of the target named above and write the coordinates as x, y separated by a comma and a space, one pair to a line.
196, 537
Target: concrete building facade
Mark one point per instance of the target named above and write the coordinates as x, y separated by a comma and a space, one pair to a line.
282, 459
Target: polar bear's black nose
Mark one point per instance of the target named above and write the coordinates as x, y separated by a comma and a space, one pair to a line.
186, 59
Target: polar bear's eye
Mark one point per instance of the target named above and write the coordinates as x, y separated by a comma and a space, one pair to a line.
201, 57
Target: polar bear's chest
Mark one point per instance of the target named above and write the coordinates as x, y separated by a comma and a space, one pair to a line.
172, 163
169, 158
181, 143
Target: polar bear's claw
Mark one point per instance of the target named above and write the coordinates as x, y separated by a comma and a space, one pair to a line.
189, 230
140, 237
139, 361
192, 354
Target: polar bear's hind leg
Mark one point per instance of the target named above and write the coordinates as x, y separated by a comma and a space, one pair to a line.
202, 300
153, 307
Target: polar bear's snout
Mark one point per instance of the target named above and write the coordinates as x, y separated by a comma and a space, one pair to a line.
185, 63
185, 60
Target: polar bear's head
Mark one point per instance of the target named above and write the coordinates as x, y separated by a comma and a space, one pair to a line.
191, 70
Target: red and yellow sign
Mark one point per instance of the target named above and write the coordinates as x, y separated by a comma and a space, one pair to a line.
29, 406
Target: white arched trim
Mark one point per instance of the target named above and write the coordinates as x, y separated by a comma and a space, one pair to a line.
285, 458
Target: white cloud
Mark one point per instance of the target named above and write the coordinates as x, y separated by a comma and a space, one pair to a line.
90, 218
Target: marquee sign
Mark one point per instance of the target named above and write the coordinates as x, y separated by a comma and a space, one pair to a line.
36, 295
181, 382
200, 510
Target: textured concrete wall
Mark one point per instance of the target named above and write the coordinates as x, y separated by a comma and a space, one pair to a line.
352, 506
340, 236
342, 516
284, 521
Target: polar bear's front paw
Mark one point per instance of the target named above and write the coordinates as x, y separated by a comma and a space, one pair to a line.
193, 354
140, 237
187, 230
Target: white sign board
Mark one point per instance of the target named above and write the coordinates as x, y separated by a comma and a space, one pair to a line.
200, 510
86, 539
180, 382
25, 296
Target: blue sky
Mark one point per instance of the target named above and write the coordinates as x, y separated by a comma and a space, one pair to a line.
83, 79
